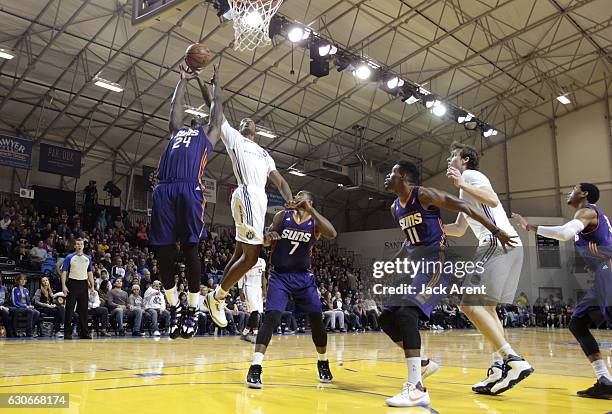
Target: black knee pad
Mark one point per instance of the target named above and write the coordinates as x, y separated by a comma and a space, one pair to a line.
319, 336
166, 256
192, 266
388, 323
579, 327
408, 317
271, 320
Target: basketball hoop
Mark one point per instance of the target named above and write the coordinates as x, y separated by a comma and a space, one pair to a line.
252, 21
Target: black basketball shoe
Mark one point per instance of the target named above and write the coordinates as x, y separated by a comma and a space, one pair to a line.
253, 379
177, 313
325, 374
189, 327
602, 390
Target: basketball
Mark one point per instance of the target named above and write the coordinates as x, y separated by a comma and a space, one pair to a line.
197, 56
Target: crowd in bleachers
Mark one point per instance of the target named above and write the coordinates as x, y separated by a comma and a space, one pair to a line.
128, 294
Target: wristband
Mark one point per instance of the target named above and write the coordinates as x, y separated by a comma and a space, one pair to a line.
497, 230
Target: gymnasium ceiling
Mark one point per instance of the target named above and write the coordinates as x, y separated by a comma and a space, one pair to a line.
503, 60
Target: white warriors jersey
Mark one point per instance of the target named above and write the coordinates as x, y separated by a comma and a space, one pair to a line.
252, 164
252, 278
496, 214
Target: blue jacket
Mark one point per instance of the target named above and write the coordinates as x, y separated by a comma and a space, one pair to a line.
17, 297
3, 296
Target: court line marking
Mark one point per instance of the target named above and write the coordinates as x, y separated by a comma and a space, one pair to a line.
168, 374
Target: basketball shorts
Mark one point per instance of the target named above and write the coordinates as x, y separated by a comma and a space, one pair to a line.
254, 298
499, 281
177, 213
429, 288
301, 286
249, 213
599, 296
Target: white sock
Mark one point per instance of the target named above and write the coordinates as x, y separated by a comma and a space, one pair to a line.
497, 358
258, 358
193, 299
414, 369
506, 350
245, 331
601, 370
171, 296
255, 331
322, 357
220, 294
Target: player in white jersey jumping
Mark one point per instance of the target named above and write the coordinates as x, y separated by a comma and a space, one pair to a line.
502, 268
252, 166
251, 291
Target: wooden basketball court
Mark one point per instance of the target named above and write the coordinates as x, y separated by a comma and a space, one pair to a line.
207, 374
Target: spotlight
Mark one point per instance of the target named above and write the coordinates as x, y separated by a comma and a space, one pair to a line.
253, 19
328, 49
563, 99
429, 101
410, 94
297, 34
276, 27
438, 109
488, 131
342, 62
395, 82
463, 117
363, 71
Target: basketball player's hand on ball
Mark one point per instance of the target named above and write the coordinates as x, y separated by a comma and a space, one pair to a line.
187, 73
455, 176
521, 220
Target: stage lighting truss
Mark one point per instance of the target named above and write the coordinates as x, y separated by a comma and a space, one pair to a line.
324, 52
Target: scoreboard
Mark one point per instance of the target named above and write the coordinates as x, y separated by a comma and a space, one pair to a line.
148, 12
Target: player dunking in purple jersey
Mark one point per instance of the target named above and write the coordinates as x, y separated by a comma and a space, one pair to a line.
417, 211
592, 232
293, 232
179, 203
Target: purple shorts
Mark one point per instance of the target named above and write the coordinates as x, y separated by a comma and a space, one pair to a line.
300, 285
436, 283
599, 296
178, 213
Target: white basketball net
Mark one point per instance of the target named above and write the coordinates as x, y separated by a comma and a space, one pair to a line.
252, 21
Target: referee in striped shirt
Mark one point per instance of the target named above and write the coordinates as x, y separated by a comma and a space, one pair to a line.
78, 270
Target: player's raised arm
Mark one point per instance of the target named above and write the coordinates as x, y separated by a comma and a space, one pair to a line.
281, 184
177, 106
216, 110
583, 218
482, 192
441, 199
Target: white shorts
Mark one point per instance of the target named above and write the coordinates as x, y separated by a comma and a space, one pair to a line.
249, 213
500, 278
254, 298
